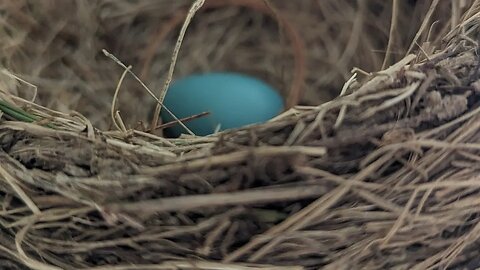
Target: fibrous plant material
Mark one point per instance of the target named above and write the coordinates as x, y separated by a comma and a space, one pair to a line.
385, 176
57, 46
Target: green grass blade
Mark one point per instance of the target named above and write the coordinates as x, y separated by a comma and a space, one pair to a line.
18, 114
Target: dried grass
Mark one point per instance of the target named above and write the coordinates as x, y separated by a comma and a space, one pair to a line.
384, 176
56, 45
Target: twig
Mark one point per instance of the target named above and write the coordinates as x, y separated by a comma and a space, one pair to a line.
432, 9
185, 203
392, 34
115, 96
183, 120
118, 62
193, 9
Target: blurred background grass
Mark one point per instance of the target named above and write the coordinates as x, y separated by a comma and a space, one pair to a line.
56, 45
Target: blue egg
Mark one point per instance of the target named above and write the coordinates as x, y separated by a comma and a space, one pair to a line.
233, 101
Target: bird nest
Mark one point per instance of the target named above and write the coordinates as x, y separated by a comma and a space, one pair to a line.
384, 176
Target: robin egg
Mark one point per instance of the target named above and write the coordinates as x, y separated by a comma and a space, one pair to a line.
232, 101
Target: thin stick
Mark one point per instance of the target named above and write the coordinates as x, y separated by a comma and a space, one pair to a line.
121, 124
12, 182
118, 62
432, 8
193, 9
343, 110
115, 96
248, 197
35, 88
30, 262
185, 119
393, 28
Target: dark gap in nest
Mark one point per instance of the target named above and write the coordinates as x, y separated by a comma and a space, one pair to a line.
460, 230
344, 160
106, 257
8, 264
9, 139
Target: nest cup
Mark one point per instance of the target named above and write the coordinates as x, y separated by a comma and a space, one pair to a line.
292, 59
60, 52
